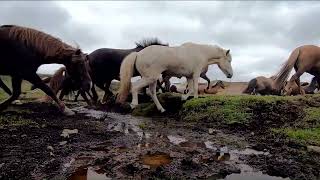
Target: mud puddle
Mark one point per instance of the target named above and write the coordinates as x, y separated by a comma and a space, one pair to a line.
146, 144
89, 173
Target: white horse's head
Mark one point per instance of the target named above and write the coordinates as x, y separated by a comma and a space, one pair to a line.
224, 62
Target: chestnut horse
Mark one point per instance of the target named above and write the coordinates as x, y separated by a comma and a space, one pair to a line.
23, 50
303, 59
262, 85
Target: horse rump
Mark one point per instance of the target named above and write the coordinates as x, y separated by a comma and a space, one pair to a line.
251, 86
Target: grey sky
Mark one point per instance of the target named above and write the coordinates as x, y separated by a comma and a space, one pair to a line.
261, 35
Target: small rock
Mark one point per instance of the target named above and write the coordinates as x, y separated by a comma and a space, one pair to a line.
51, 154
212, 131
23, 135
17, 102
43, 125
146, 167
252, 133
67, 132
1, 165
62, 143
50, 148
315, 149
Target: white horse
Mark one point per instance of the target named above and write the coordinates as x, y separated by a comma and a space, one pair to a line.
187, 60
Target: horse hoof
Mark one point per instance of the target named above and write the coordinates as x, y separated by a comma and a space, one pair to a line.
162, 110
184, 98
133, 106
68, 112
17, 102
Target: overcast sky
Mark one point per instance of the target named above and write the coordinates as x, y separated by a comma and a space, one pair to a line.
261, 35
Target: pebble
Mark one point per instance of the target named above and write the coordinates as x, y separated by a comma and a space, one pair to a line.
211, 131
50, 148
62, 143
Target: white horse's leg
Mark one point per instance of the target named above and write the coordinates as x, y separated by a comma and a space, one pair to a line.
141, 83
185, 97
195, 86
153, 91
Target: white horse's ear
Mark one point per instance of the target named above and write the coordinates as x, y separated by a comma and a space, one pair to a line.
228, 51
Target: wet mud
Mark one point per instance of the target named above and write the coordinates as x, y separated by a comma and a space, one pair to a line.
94, 144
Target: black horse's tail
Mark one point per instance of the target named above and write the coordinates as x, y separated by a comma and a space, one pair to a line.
5, 87
251, 86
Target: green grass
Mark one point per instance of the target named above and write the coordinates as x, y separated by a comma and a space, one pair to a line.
312, 115
228, 109
302, 136
16, 120
24, 88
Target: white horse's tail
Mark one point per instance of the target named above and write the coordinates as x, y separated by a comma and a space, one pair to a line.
126, 72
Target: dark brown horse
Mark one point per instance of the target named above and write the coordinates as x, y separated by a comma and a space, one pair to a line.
105, 65
23, 50
303, 59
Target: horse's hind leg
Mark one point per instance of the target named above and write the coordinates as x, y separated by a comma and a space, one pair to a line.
107, 92
16, 88
5, 87
36, 80
154, 97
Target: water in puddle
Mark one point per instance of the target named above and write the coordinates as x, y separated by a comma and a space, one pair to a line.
252, 176
90, 112
176, 140
156, 160
88, 174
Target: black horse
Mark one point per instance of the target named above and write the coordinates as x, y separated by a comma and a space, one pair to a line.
105, 65
23, 50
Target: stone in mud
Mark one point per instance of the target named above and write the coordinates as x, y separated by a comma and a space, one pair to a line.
67, 132
50, 148
315, 149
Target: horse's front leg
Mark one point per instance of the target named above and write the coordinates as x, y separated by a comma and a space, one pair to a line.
153, 93
189, 85
205, 77
36, 80
16, 91
196, 85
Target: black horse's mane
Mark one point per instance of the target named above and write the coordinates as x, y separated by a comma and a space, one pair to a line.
149, 42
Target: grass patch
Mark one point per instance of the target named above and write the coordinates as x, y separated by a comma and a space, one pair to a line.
228, 109
16, 120
302, 136
312, 115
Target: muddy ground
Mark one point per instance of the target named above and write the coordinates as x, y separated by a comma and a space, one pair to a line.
107, 145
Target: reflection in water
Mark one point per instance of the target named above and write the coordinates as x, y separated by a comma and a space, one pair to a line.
88, 174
